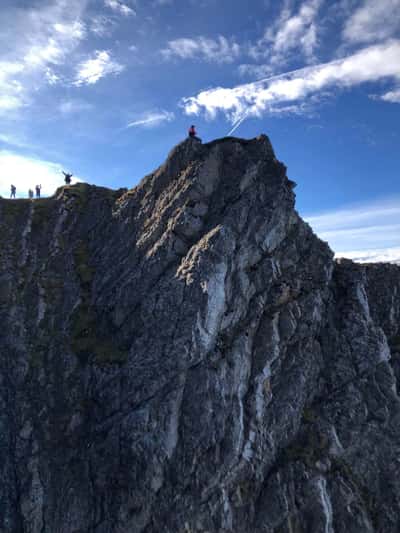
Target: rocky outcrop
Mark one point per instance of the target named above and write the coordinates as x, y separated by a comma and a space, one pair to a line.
187, 357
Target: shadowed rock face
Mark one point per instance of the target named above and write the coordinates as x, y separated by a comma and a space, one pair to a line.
187, 357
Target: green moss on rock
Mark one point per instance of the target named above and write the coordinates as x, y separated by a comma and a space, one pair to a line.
41, 213
84, 270
86, 339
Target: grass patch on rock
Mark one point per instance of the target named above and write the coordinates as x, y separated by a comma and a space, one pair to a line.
86, 339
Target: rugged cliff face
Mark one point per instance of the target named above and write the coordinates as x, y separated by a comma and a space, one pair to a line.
187, 357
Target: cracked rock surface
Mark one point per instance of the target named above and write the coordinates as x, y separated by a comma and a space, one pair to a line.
187, 357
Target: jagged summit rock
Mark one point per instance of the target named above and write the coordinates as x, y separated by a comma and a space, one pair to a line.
186, 356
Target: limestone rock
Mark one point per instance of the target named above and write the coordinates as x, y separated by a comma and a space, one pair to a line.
187, 357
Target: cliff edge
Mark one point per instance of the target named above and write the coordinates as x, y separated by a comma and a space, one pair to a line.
187, 357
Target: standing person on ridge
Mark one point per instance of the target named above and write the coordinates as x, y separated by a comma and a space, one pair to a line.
30, 194
67, 177
38, 189
13, 191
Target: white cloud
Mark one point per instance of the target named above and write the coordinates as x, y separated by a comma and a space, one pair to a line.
299, 30
391, 96
68, 107
51, 77
8, 68
360, 227
43, 38
11, 90
386, 255
152, 119
54, 47
99, 66
254, 99
9, 102
255, 71
102, 26
219, 50
39, 55
16, 141
26, 172
291, 33
120, 7
373, 21
74, 30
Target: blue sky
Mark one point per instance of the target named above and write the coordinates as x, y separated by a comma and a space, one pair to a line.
105, 88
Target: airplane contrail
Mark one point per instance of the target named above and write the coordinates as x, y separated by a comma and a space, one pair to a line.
262, 81
284, 74
235, 127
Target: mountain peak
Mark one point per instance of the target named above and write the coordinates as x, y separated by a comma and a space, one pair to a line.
187, 356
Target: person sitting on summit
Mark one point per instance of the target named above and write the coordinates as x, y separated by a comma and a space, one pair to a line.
193, 133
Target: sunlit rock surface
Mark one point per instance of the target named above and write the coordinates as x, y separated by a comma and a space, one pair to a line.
187, 357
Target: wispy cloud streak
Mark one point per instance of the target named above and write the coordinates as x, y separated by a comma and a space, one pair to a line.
363, 227
218, 50
255, 99
373, 21
120, 7
43, 38
97, 67
290, 33
152, 119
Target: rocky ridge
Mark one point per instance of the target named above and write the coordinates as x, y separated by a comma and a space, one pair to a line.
187, 357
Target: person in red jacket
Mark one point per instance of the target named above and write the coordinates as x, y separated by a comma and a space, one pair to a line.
193, 133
